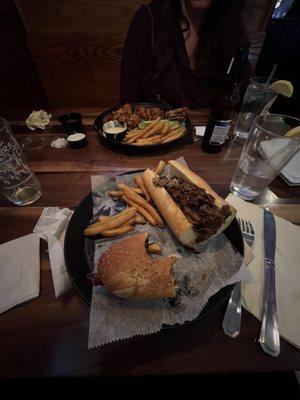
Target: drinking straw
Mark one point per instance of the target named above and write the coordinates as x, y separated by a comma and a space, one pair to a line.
271, 74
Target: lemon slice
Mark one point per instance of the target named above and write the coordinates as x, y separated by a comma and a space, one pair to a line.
282, 87
294, 132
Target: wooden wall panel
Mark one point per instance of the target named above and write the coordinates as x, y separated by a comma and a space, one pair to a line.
19, 83
48, 16
77, 46
78, 70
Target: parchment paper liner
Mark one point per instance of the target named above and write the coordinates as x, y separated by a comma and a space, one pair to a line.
200, 276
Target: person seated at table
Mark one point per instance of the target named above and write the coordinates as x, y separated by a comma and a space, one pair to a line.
178, 51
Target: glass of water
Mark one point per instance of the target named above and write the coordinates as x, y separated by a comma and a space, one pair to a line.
17, 182
258, 99
265, 153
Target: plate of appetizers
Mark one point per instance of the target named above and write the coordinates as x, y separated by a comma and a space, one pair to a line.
144, 127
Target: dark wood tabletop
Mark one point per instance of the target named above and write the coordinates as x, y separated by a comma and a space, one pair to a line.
49, 336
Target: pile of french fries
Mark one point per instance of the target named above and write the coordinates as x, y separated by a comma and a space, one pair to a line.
139, 212
154, 133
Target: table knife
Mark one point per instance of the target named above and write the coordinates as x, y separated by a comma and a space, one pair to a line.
269, 336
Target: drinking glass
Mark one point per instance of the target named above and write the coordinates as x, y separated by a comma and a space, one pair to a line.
17, 182
258, 99
265, 153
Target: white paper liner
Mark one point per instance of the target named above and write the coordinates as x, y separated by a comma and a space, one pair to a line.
200, 276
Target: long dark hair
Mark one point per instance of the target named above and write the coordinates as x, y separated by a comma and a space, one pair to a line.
209, 58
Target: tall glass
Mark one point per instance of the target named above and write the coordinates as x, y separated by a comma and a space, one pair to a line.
17, 182
265, 153
258, 99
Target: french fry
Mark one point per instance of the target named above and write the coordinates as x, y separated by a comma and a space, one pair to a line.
137, 199
141, 210
107, 224
110, 223
149, 140
115, 193
112, 217
139, 220
132, 132
131, 221
118, 193
154, 248
160, 167
156, 128
171, 133
142, 144
145, 130
156, 139
132, 139
144, 141
137, 190
139, 181
103, 217
173, 137
165, 129
133, 136
117, 231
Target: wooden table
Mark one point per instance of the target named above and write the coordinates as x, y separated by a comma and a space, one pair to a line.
48, 336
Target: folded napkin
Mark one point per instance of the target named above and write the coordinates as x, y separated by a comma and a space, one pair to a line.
200, 130
52, 226
291, 171
19, 271
38, 119
287, 271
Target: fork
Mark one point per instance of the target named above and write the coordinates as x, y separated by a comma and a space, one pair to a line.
232, 318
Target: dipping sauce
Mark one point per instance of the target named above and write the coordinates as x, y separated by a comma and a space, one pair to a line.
114, 130
59, 143
77, 140
76, 136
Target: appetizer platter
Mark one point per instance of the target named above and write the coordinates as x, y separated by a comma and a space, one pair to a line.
143, 127
184, 204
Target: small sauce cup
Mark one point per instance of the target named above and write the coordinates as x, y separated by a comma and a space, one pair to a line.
77, 140
71, 122
115, 130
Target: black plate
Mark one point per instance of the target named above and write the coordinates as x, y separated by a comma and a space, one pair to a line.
129, 148
79, 262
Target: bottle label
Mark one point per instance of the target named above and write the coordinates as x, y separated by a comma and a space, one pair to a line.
220, 132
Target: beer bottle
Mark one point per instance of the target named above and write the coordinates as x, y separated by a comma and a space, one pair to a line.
220, 117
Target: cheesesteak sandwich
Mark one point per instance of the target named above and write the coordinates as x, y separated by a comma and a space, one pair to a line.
192, 209
127, 271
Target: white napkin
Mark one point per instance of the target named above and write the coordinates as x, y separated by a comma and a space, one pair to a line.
19, 271
200, 130
291, 171
52, 226
38, 119
287, 270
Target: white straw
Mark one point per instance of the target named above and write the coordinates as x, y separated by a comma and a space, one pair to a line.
271, 74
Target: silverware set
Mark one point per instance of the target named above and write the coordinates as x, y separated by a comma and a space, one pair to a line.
269, 336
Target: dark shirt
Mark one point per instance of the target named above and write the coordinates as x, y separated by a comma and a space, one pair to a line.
181, 86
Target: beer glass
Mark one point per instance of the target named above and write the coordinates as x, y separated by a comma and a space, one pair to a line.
17, 182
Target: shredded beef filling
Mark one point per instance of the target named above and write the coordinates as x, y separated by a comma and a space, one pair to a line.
198, 206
